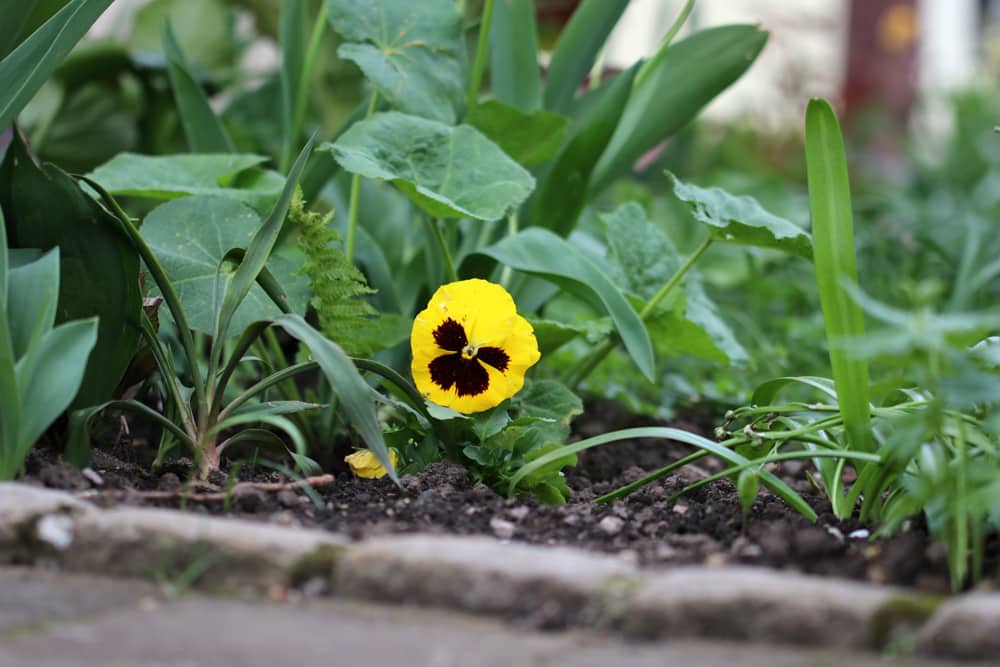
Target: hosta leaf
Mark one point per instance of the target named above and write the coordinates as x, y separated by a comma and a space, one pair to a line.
172, 176
529, 138
742, 220
190, 237
642, 259
450, 172
411, 52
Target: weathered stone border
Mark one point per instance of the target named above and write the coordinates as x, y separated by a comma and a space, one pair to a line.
541, 586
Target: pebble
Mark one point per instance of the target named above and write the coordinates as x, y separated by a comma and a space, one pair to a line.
92, 476
248, 499
502, 528
680, 509
518, 513
168, 482
288, 498
860, 534
611, 525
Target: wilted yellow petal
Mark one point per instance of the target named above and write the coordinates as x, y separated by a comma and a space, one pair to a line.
364, 464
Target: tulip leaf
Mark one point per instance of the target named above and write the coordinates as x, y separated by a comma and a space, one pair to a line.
413, 57
514, 75
202, 127
450, 172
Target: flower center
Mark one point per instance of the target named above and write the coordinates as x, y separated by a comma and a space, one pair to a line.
461, 365
470, 351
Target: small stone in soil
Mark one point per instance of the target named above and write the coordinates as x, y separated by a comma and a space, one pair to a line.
168, 482
288, 498
248, 499
611, 525
502, 528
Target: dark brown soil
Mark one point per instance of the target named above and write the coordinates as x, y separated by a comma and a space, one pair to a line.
705, 527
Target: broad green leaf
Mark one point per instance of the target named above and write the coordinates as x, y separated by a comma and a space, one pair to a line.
552, 402
259, 249
675, 85
32, 300
202, 127
99, 268
191, 236
562, 193
450, 172
172, 176
50, 376
529, 138
28, 66
16, 14
354, 395
9, 394
414, 57
833, 226
207, 31
742, 220
540, 252
552, 335
643, 259
579, 43
514, 75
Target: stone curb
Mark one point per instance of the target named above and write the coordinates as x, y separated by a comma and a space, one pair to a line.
539, 586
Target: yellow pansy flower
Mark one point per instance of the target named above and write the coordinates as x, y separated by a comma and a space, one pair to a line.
364, 464
470, 347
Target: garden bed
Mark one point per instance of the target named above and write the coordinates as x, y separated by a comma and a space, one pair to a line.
706, 527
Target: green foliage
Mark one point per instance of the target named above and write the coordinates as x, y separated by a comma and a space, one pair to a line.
450, 172
515, 78
27, 67
41, 365
529, 138
414, 58
339, 287
46, 208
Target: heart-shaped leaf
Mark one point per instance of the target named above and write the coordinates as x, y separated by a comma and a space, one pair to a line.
412, 52
450, 172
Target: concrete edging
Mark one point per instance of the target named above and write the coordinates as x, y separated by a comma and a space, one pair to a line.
539, 586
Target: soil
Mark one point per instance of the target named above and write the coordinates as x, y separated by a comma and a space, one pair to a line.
706, 527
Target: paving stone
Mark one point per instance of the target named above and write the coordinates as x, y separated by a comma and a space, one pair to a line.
965, 627
760, 605
542, 587
32, 596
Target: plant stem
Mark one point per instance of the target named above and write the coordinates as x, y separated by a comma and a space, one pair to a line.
449, 265
479, 65
511, 230
597, 355
302, 91
352, 207
665, 44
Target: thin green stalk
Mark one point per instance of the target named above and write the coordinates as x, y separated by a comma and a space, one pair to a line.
958, 553
482, 47
511, 231
678, 23
302, 93
352, 207
597, 355
449, 265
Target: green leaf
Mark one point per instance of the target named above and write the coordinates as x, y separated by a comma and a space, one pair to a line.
529, 138
50, 376
16, 14
674, 86
643, 259
450, 172
413, 57
553, 403
207, 31
259, 249
191, 236
830, 206
30, 65
747, 486
742, 220
172, 176
576, 49
292, 31
552, 335
202, 127
99, 268
353, 393
532, 251
514, 75
563, 190
32, 299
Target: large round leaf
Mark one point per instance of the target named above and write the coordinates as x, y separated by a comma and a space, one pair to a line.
450, 172
191, 236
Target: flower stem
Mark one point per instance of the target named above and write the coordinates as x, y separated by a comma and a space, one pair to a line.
352, 207
479, 64
302, 92
449, 265
511, 230
597, 355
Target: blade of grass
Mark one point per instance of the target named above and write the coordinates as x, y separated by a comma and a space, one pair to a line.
833, 250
